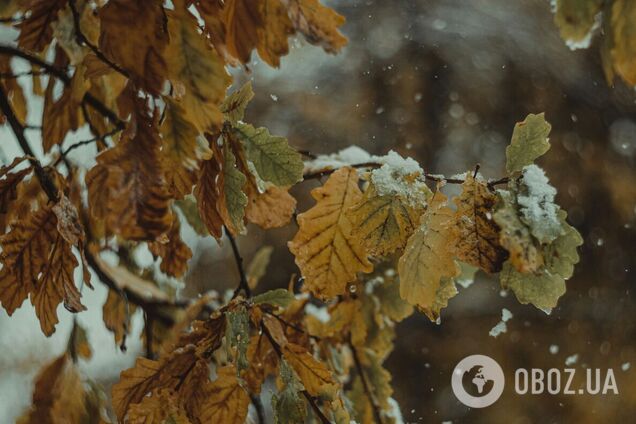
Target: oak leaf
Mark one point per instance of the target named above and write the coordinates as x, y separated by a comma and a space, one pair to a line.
529, 141
273, 33
129, 179
232, 201
623, 33
233, 107
9, 184
576, 19
272, 209
25, 250
383, 224
36, 31
226, 401
56, 284
263, 362
428, 256
174, 253
134, 36
116, 313
274, 160
181, 150
544, 287
476, 233
198, 68
208, 193
319, 24
158, 408
324, 246
313, 374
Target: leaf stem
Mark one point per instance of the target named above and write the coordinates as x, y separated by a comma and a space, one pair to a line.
243, 284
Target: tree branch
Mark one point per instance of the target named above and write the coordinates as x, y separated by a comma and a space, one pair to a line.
81, 39
365, 384
243, 284
45, 181
91, 100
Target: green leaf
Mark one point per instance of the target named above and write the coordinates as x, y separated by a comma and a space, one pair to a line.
529, 141
276, 297
288, 406
235, 200
575, 19
258, 265
237, 334
272, 157
233, 107
391, 304
544, 288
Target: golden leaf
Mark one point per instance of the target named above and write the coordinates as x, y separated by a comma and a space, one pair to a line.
9, 184
623, 48
207, 193
241, 19
383, 224
273, 32
36, 32
198, 67
133, 35
160, 407
148, 375
116, 313
59, 396
324, 246
56, 284
315, 376
129, 178
477, 234
25, 250
181, 150
263, 361
428, 256
174, 254
226, 401
319, 24
272, 209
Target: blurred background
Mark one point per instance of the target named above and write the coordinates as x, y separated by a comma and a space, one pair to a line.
443, 81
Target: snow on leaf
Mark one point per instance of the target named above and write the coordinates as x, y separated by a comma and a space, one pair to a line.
428, 256
515, 237
383, 224
401, 177
529, 141
576, 20
536, 201
274, 160
325, 249
544, 288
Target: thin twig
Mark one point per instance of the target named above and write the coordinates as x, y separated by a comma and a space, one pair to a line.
81, 39
84, 143
148, 334
92, 101
243, 284
258, 406
325, 172
292, 326
45, 181
365, 384
312, 402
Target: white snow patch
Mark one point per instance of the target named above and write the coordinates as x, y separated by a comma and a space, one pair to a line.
322, 314
352, 155
554, 349
626, 366
400, 177
537, 205
501, 327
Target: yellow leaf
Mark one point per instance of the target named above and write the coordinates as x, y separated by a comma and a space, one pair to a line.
623, 50
428, 256
324, 246
116, 313
198, 67
226, 401
477, 234
160, 407
273, 33
272, 209
315, 376
319, 24
383, 224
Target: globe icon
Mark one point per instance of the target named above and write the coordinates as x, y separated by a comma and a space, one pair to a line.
476, 382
